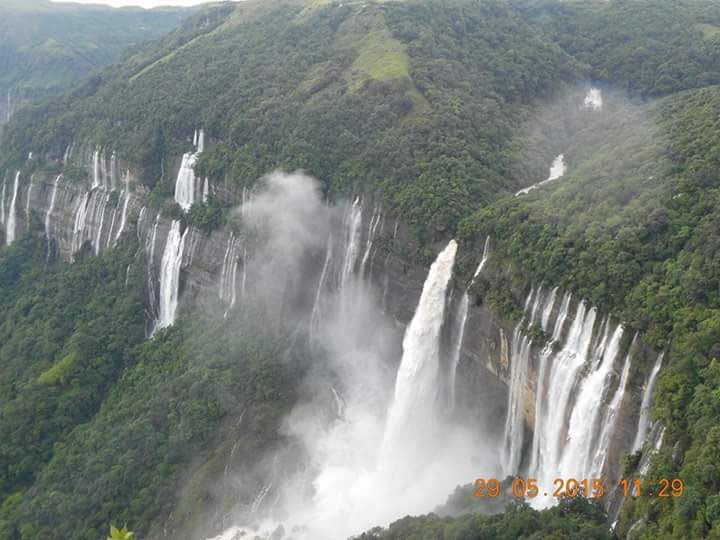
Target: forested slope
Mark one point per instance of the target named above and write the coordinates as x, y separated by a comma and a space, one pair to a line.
441, 111
47, 47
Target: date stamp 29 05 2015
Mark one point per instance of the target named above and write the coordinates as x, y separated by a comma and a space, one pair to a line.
594, 488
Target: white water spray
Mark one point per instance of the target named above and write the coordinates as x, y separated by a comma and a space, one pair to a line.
12, 212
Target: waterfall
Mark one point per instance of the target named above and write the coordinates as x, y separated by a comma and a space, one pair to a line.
123, 217
557, 169
244, 273
593, 99
27, 203
461, 319
51, 207
113, 169
228, 276
545, 355
2, 201
185, 183
12, 212
109, 240
584, 423
316, 314
206, 191
412, 412
151, 277
98, 235
372, 227
561, 380
611, 416
353, 221
96, 168
581, 378
170, 275
644, 420
80, 213
514, 422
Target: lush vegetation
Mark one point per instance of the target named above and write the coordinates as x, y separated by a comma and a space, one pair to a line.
441, 110
572, 518
97, 424
46, 47
633, 229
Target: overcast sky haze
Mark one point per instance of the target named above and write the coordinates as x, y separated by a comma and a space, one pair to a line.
143, 3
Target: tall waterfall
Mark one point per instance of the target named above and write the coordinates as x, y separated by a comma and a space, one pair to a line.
90, 219
644, 420
316, 313
2, 200
51, 207
460, 321
228, 276
12, 212
185, 187
372, 228
123, 217
353, 222
97, 178
410, 419
27, 203
586, 415
170, 275
514, 424
580, 383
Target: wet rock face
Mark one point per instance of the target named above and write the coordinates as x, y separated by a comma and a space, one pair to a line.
104, 201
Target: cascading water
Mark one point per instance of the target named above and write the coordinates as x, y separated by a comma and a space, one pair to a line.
352, 226
461, 320
541, 398
557, 169
228, 275
586, 415
2, 201
170, 275
98, 232
593, 99
644, 419
375, 452
123, 217
96, 169
580, 386
372, 227
27, 203
316, 314
514, 424
612, 411
411, 416
185, 187
51, 207
12, 212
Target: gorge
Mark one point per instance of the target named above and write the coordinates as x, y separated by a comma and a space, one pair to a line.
310, 270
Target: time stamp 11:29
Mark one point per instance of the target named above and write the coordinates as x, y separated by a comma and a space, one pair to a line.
594, 488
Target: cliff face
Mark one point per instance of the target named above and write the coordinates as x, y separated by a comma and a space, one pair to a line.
504, 381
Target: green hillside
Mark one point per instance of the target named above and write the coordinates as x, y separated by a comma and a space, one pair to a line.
442, 111
46, 47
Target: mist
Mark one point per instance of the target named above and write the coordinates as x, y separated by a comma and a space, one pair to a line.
378, 439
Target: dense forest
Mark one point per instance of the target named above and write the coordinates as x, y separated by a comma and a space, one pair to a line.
441, 111
47, 47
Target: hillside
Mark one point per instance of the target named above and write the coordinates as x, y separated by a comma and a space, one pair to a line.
303, 268
47, 47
